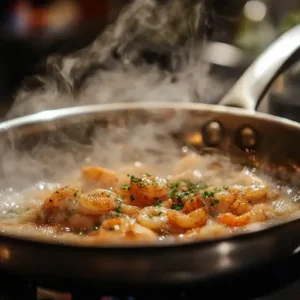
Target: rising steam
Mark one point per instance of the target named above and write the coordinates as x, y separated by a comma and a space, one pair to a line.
153, 52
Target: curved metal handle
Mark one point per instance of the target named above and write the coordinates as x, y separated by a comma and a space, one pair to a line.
249, 90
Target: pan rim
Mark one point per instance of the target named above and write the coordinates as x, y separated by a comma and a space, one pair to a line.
62, 113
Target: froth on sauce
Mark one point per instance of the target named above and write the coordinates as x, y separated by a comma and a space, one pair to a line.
195, 198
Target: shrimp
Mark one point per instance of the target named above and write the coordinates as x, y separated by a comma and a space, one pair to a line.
80, 222
124, 193
193, 204
117, 224
60, 205
208, 199
129, 210
152, 217
253, 193
98, 202
167, 204
101, 177
240, 206
225, 199
231, 200
124, 228
196, 218
259, 213
148, 190
207, 232
68, 201
139, 232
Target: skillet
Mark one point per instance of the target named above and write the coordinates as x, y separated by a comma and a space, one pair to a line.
239, 131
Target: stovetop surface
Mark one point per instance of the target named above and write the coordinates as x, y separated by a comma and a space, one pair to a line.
280, 280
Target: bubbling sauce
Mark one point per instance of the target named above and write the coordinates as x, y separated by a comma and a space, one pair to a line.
195, 198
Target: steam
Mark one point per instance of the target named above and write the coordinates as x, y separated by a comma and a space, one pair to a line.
152, 52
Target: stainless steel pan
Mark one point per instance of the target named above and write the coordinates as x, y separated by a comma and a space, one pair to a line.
240, 132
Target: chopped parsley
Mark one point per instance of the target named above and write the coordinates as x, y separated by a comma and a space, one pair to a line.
180, 195
207, 194
214, 202
134, 179
137, 180
75, 194
119, 208
177, 206
125, 187
173, 193
148, 175
158, 202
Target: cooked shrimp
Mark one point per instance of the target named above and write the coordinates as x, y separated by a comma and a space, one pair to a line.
259, 213
193, 204
225, 199
196, 218
125, 228
147, 190
240, 206
154, 218
231, 220
117, 224
124, 193
129, 210
69, 201
139, 232
60, 205
102, 177
209, 231
98, 202
253, 193
80, 222
167, 204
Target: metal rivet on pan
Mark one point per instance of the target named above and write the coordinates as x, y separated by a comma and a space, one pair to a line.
213, 133
247, 137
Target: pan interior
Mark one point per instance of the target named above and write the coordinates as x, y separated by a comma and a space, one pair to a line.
41, 155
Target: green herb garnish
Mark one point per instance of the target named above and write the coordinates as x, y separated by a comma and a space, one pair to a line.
173, 193
134, 179
158, 203
119, 208
207, 194
177, 206
125, 187
214, 202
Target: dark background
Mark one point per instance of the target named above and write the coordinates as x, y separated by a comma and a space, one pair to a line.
22, 47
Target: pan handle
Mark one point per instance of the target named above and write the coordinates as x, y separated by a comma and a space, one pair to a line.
250, 89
